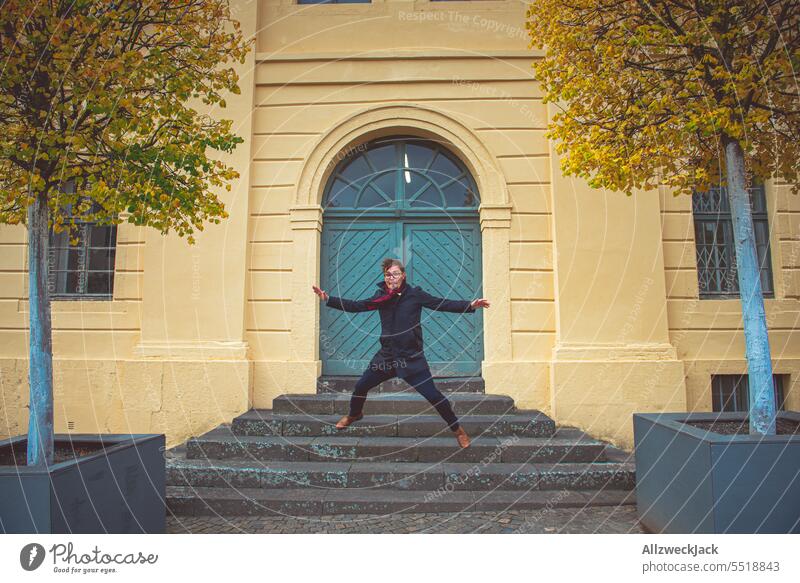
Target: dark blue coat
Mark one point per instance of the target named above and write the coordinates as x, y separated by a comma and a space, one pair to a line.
401, 333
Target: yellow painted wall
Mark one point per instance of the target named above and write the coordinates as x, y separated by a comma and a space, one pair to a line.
708, 333
167, 355
320, 66
594, 312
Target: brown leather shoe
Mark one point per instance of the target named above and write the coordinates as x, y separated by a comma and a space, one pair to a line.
462, 437
347, 420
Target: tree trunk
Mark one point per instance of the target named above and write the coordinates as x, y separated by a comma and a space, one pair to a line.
759, 365
40, 418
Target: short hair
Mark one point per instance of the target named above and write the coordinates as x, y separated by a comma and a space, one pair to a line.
389, 262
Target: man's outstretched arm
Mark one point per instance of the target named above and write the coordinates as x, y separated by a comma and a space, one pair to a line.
351, 305
443, 305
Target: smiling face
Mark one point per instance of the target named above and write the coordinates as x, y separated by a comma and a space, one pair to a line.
393, 277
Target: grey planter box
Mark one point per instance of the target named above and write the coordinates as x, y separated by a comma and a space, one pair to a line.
689, 480
116, 484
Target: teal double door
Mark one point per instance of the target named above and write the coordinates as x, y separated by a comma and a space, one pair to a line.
444, 258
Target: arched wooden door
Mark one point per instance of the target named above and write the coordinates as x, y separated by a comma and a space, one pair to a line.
414, 200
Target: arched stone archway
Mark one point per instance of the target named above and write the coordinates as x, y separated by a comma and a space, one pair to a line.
306, 224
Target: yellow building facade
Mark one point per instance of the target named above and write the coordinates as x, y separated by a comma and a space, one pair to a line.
595, 308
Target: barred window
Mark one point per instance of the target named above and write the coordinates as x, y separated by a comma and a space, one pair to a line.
731, 392
84, 270
716, 255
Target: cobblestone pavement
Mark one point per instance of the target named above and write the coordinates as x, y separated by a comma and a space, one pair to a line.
606, 519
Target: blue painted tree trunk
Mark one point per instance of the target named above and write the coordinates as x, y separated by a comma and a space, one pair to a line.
759, 364
40, 418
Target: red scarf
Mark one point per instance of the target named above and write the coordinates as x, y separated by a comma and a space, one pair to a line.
377, 302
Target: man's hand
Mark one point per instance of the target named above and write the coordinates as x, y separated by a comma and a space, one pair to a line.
322, 295
481, 303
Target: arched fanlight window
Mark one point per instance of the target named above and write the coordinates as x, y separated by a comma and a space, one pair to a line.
400, 174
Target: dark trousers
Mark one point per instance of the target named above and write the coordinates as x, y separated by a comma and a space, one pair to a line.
422, 382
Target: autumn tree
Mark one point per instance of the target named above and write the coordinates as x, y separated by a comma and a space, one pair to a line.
95, 94
684, 94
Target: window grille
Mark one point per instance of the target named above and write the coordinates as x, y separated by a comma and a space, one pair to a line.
716, 255
731, 392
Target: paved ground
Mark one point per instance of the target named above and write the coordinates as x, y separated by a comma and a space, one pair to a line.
607, 519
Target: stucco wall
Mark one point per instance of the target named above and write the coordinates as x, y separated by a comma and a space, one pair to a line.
708, 333
307, 87
167, 355
594, 295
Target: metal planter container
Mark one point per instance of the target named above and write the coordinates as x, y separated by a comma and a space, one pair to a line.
690, 480
115, 483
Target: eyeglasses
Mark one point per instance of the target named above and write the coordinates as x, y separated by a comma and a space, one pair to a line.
393, 275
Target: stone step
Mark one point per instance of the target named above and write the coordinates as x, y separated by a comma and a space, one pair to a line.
192, 500
221, 443
400, 475
346, 384
266, 422
391, 404
612, 453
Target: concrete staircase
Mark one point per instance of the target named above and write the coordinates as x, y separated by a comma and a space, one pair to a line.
400, 457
